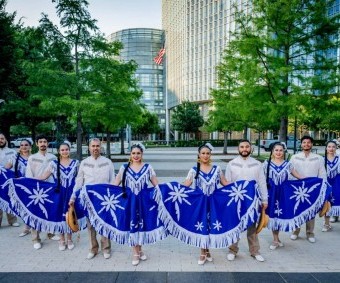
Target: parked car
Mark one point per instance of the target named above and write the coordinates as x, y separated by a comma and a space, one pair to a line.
265, 144
53, 144
16, 142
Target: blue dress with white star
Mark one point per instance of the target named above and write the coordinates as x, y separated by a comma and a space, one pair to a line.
67, 181
333, 178
22, 164
145, 227
207, 215
292, 203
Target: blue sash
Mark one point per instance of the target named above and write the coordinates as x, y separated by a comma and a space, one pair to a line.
214, 221
294, 202
132, 220
5, 203
40, 207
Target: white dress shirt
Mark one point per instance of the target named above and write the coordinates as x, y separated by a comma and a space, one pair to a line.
38, 164
247, 169
6, 154
312, 165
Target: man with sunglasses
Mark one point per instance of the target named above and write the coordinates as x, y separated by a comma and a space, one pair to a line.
6, 154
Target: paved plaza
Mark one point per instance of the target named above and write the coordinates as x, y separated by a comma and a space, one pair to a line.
170, 260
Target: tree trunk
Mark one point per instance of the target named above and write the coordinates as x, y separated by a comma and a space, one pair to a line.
79, 137
225, 143
122, 141
245, 130
283, 129
108, 144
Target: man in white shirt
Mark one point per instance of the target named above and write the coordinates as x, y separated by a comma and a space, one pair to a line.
6, 154
37, 165
244, 167
95, 169
308, 164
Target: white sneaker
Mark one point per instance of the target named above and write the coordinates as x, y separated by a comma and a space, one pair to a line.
37, 246
311, 240
107, 255
55, 238
62, 246
15, 224
258, 258
293, 237
142, 256
326, 228
90, 255
70, 245
231, 256
274, 245
24, 233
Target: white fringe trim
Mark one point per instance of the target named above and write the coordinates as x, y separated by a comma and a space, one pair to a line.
334, 211
217, 241
120, 237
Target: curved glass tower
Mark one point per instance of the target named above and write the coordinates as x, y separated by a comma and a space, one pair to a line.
142, 45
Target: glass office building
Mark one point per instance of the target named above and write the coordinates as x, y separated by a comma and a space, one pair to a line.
196, 32
142, 45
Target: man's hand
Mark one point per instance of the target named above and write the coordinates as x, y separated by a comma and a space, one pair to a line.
264, 205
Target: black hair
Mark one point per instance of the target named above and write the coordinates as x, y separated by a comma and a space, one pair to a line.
307, 138
244, 140
327, 143
136, 146
41, 137
16, 166
124, 179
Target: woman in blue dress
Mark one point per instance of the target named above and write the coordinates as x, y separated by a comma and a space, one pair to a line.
144, 224
18, 164
64, 171
277, 171
206, 177
332, 165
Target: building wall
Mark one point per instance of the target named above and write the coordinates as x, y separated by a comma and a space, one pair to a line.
142, 45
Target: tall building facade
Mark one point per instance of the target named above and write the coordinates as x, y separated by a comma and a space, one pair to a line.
196, 32
142, 45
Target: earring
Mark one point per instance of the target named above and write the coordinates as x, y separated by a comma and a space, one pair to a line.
209, 162
130, 159
198, 160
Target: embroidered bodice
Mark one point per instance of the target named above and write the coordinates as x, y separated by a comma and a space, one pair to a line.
333, 167
22, 164
67, 174
278, 173
207, 182
137, 181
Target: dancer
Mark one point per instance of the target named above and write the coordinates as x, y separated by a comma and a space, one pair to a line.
6, 154
308, 164
136, 176
37, 165
332, 165
205, 177
244, 167
95, 169
64, 171
277, 171
18, 164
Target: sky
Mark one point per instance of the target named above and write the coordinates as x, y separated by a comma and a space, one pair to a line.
111, 15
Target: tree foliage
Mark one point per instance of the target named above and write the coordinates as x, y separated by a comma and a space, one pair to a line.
147, 124
186, 118
277, 63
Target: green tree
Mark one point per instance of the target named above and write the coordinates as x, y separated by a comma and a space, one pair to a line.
112, 94
148, 124
75, 38
278, 61
186, 118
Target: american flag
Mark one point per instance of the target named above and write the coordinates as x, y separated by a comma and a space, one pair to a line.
159, 58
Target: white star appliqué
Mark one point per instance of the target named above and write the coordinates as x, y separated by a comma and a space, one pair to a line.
302, 194
199, 226
217, 225
109, 203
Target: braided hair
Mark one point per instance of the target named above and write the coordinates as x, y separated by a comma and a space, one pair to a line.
272, 146
139, 146
206, 145
57, 189
16, 165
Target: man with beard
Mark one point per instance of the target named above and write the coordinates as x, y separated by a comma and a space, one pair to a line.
37, 165
308, 164
95, 169
244, 167
6, 154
